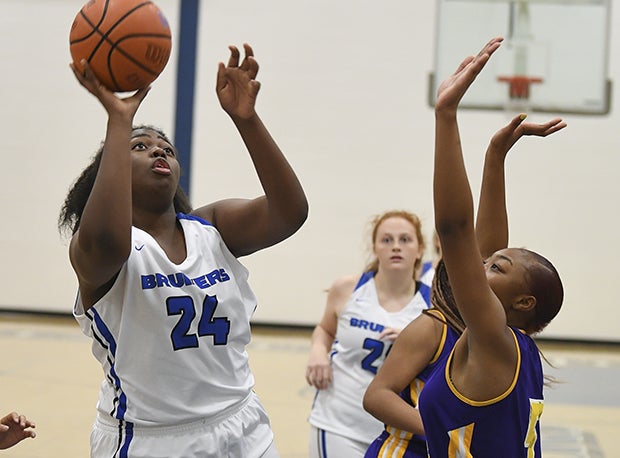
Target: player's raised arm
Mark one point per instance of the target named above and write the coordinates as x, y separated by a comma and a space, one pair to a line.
492, 216
454, 210
250, 225
101, 242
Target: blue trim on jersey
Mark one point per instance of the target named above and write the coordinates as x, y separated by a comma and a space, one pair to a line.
128, 437
104, 331
121, 408
364, 279
193, 218
425, 291
323, 450
333, 352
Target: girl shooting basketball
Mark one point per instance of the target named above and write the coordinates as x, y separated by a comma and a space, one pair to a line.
161, 291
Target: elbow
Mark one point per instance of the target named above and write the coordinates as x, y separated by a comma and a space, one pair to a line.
448, 227
368, 402
296, 218
301, 215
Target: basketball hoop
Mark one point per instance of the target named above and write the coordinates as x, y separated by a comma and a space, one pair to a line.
519, 86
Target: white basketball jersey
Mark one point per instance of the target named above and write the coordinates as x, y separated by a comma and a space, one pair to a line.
172, 338
356, 355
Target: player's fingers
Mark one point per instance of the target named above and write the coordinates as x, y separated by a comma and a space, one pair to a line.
254, 88
512, 128
484, 55
542, 130
492, 44
555, 122
233, 60
78, 73
310, 376
518, 119
463, 64
489, 48
221, 80
248, 50
555, 128
87, 71
251, 66
74, 69
321, 382
141, 93
323, 373
552, 126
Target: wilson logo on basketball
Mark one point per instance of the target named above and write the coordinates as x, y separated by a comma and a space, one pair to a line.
157, 54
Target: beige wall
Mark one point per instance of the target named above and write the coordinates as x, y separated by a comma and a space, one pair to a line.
344, 92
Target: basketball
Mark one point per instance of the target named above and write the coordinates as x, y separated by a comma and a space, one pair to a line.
127, 43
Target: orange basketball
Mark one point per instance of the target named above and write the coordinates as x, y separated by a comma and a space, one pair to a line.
126, 42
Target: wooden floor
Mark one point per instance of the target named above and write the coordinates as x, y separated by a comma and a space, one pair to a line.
49, 374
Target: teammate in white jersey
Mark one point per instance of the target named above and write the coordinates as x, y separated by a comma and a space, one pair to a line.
362, 318
161, 291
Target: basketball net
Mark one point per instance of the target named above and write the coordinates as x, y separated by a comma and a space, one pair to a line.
519, 91
519, 83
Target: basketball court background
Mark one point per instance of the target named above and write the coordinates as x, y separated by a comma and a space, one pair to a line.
53, 379
345, 92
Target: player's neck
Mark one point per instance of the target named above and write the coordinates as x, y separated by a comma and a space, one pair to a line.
395, 284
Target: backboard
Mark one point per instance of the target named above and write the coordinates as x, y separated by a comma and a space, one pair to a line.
554, 57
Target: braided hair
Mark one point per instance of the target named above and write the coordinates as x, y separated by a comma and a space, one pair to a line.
443, 300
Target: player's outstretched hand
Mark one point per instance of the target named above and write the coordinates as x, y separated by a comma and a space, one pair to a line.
237, 87
452, 89
15, 428
508, 135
